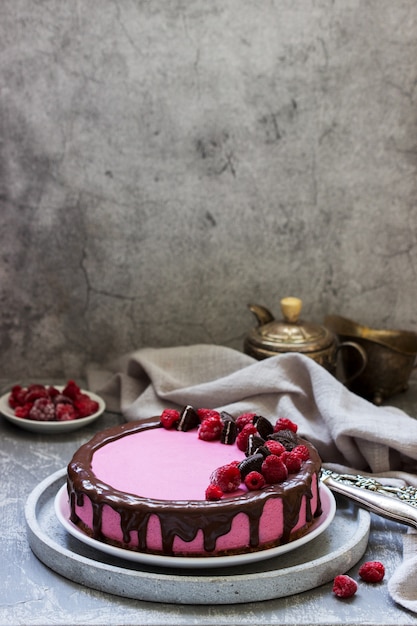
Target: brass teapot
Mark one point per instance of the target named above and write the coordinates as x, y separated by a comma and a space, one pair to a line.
272, 337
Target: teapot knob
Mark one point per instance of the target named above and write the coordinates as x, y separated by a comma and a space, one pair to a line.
291, 309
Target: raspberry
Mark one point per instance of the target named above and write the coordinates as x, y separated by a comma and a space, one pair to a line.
275, 447
283, 423
243, 436
23, 410
71, 390
274, 470
26, 402
344, 586
84, 405
65, 412
213, 492
169, 417
372, 571
59, 398
302, 452
211, 428
243, 419
292, 462
205, 413
254, 480
53, 392
34, 392
227, 477
43, 410
17, 396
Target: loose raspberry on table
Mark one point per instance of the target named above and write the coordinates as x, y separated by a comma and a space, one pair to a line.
210, 429
344, 586
372, 571
169, 417
275, 447
43, 410
243, 419
254, 480
274, 470
213, 492
227, 477
283, 423
243, 437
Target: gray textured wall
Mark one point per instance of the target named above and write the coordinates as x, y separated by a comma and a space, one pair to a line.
163, 163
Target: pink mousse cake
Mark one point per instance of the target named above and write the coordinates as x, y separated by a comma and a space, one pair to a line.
195, 483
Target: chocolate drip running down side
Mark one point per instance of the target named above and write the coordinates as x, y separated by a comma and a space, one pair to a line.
135, 511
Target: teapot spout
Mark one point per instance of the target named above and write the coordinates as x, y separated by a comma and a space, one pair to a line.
262, 314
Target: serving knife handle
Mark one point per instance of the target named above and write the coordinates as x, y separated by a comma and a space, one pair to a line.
394, 503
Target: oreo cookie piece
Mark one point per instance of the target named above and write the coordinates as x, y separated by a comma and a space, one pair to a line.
264, 450
263, 426
252, 463
229, 430
188, 419
287, 437
226, 416
254, 442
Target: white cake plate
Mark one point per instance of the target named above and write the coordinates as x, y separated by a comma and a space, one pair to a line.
317, 562
319, 525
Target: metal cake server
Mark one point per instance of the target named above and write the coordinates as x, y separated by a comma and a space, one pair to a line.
389, 501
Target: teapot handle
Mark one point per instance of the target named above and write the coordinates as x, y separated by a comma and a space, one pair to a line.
362, 354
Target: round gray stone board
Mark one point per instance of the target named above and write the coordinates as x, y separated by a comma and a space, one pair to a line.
335, 551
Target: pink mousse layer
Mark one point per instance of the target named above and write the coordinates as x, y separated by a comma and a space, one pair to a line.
173, 465
162, 464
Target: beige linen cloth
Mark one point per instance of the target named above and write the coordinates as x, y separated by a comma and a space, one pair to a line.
350, 433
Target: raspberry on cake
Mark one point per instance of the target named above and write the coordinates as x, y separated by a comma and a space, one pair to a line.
159, 487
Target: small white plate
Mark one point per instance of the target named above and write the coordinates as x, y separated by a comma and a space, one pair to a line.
51, 427
328, 502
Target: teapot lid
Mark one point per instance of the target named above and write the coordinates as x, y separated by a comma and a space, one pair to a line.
290, 334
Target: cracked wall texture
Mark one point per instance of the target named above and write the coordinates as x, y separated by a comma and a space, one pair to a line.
163, 164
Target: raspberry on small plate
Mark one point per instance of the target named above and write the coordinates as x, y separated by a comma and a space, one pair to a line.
51, 409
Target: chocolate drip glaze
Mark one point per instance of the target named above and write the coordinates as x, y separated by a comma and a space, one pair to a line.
179, 518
